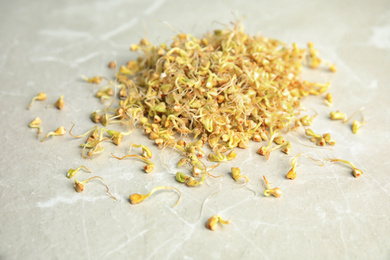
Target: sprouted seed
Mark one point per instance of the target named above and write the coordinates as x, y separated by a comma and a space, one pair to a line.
181, 177
94, 80
60, 102
236, 174
307, 120
314, 60
257, 138
279, 140
146, 152
94, 130
196, 170
59, 131
287, 148
138, 198
337, 115
36, 123
356, 171
214, 220
79, 185
276, 192
310, 132
192, 182
328, 139
329, 99
321, 141
332, 67
112, 64
182, 162
40, 97
148, 167
72, 172
356, 125
292, 173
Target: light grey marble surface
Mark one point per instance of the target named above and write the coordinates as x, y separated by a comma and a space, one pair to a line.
324, 214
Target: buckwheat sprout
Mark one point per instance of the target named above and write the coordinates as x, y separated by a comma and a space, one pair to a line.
59, 131
79, 185
117, 136
181, 177
192, 182
332, 67
292, 174
40, 97
36, 124
112, 64
94, 80
314, 60
138, 198
307, 120
148, 167
182, 162
264, 150
356, 171
72, 172
276, 192
214, 220
329, 99
93, 129
337, 115
356, 124
146, 152
236, 174
196, 170
328, 139
310, 132
279, 140
284, 144
287, 148
94, 147
60, 102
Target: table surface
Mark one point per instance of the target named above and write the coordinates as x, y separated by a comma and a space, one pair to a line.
325, 213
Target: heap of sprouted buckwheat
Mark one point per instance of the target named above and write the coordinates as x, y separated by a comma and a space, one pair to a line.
223, 90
